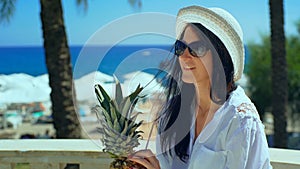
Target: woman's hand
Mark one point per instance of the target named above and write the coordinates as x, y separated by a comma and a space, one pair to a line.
145, 158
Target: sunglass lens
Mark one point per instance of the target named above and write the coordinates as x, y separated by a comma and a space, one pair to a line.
179, 47
196, 49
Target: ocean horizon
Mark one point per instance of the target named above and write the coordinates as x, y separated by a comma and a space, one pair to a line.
121, 59
118, 60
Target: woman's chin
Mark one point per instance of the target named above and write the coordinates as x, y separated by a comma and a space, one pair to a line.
187, 79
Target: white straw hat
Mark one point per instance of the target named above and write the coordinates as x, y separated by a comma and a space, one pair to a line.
223, 25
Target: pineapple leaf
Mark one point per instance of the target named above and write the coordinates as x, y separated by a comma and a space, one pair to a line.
126, 104
118, 120
117, 127
102, 96
133, 118
137, 91
122, 121
129, 114
119, 116
115, 109
119, 94
124, 129
114, 104
102, 113
132, 126
104, 117
136, 125
113, 113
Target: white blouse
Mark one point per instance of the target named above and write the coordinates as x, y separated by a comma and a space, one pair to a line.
233, 139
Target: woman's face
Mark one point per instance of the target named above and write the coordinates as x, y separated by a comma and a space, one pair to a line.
195, 69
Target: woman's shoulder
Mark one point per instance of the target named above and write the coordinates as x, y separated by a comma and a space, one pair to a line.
244, 112
242, 104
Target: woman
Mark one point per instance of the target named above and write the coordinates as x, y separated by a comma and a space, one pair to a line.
208, 122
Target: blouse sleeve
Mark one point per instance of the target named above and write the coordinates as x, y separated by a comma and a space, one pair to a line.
246, 142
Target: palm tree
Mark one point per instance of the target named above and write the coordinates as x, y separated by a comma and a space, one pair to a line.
58, 61
279, 73
58, 64
7, 8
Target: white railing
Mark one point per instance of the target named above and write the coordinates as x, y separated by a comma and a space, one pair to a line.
285, 158
55, 154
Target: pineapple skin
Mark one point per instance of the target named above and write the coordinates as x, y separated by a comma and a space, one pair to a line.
124, 163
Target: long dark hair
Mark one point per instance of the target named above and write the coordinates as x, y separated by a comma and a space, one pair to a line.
177, 115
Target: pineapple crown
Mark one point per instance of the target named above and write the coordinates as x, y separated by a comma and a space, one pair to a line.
118, 121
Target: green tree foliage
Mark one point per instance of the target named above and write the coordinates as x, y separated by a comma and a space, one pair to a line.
259, 73
293, 58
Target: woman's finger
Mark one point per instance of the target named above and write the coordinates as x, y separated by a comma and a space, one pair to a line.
142, 161
146, 158
148, 155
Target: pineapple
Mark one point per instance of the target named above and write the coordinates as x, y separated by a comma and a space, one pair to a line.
118, 129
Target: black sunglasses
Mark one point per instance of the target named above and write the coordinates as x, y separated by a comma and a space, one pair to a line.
196, 49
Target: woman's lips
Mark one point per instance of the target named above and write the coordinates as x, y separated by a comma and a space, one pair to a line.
189, 68
188, 65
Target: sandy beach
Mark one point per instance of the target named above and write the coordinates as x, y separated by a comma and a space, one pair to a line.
20, 100
89, 124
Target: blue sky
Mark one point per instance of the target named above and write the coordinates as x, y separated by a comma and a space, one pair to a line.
24, 28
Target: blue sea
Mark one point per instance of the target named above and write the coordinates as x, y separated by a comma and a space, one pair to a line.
118, 60
110, 60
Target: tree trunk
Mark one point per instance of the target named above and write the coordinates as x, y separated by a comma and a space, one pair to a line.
279, 73
58, 61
